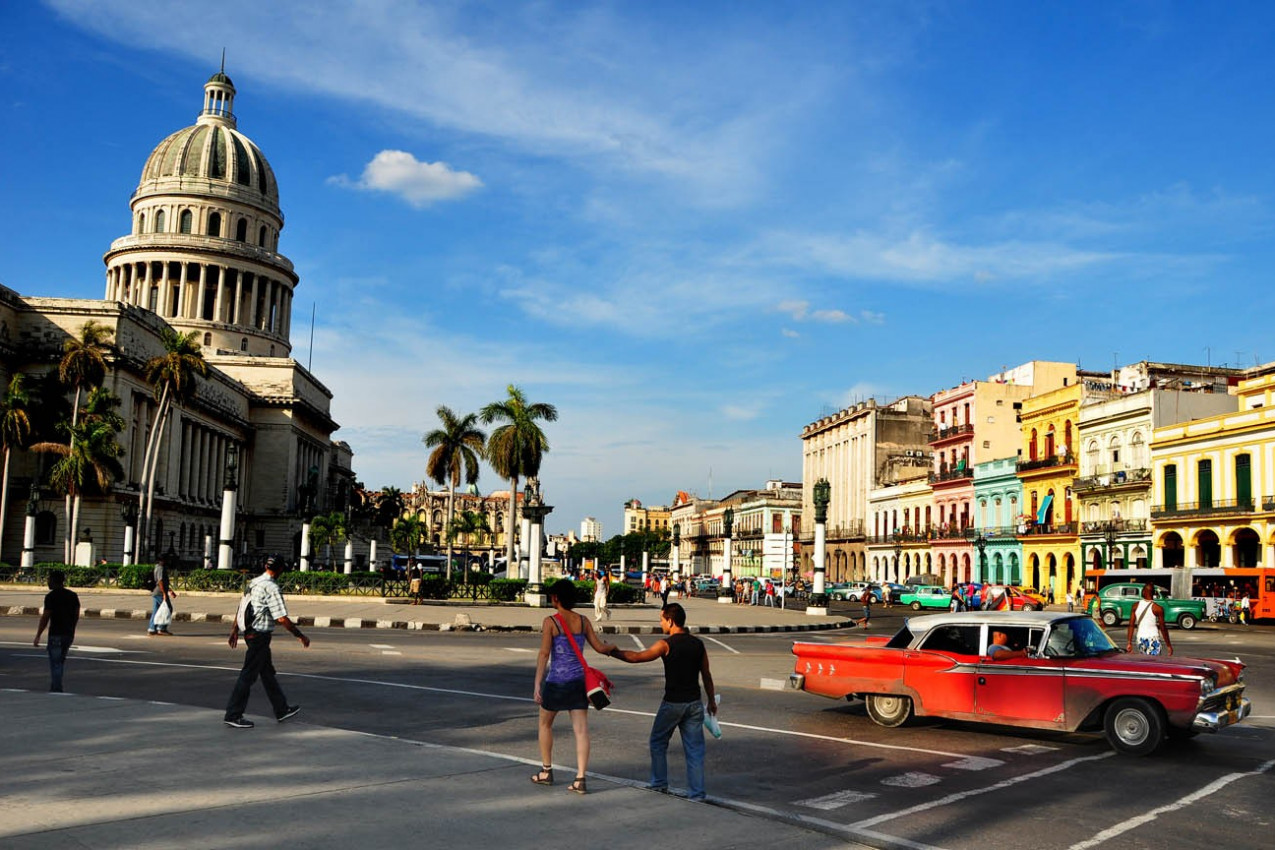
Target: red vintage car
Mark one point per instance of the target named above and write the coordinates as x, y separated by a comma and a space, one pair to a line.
1061, 672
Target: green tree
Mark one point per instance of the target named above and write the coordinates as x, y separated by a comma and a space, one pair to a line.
466, 525
326, 529
173, 376
389, 506
90, 457
457, 446
515, 450
407, 535
15, 432
83, 365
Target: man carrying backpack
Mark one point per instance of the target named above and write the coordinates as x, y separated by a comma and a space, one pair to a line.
259, 610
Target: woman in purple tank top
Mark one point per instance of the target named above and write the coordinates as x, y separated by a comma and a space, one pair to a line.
559, 684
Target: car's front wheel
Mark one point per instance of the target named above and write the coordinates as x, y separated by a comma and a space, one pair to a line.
1134, 726
1186, 621
916, 606
1110, 618
888, 710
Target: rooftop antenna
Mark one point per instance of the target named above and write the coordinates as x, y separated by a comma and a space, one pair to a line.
223, 60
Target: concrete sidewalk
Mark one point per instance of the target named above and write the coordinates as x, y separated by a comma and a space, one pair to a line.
96, 772
371, 612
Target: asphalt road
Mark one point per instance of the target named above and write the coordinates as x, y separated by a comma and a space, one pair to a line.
784, 755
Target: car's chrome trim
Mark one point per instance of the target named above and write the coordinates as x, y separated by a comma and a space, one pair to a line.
1212, 721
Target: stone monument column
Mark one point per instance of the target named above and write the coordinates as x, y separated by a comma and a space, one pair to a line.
28, 531
534, 510
229, 495
818, 602
726, 593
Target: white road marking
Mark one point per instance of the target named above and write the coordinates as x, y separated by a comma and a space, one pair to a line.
1029, 749
14, 690
911, 779
724, 646
112, 699
974, 792
381, 645
390, 652
103, 650
517, 649
1133, 823
638, 642
773, 684
835, 800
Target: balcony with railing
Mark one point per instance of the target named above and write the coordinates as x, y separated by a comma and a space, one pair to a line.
903, 538
951, 474
1268, 503
1215, 507
952, 531
993, 532
1038, 529
1112, 480
939, 435
1120, 526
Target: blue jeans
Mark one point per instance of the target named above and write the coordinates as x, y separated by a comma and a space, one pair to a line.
59, 645
688, 719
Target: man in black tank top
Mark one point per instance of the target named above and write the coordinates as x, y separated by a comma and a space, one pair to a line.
685, 663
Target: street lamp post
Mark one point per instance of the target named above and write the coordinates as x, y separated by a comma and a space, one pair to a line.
980, 543
898, 552
822, 495
534, 511
677, 555
28, 531
226, 547
128, 513
726, 593
1109, 534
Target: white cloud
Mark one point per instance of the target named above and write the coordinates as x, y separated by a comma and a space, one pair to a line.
790, 333
834, 316
419, 183
739, 412
800, 311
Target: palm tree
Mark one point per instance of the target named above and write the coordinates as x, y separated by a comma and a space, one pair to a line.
465, 526
15, 431
326, 529
90, 456
83, 365
173, 376
389, 506
515, 450
457, 447
407, 535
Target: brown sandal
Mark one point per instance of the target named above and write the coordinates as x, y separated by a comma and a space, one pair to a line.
578, 786
544, 777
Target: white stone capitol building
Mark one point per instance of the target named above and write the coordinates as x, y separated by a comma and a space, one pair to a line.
202, 255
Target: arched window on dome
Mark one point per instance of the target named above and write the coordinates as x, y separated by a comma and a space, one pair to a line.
141, 222
207, 339
159, 222
272, 350
214, 224
186, 222
243, 344
261, 236
241, 230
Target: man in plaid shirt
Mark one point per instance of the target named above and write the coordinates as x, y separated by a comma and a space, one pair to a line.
267, 608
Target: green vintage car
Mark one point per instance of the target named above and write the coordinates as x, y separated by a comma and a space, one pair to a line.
926, 596
1117, 601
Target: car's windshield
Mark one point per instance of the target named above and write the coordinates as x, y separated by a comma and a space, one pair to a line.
1077, 637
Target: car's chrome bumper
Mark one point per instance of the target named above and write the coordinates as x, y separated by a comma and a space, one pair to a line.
1211, 721
797, 681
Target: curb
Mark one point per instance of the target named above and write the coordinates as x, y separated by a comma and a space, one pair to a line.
411, 625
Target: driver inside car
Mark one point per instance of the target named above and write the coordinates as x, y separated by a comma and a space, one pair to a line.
998, 648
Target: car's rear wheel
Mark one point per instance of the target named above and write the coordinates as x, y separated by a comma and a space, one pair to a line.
1110, 618
888, 710
916, 606
1186, 621
1134, 726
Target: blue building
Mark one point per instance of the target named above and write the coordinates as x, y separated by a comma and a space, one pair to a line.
998, 500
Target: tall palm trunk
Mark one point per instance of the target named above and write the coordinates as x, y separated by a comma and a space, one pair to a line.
150, 483
512, 570
68, 539
4, 500
447, 529
147, 460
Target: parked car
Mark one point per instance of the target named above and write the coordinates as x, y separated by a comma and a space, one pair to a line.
1116, 603
853, 591
1067, 676
894, 590
1020, 599
926, 596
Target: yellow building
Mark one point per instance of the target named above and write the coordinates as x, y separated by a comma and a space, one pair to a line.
1212, 484
639, 518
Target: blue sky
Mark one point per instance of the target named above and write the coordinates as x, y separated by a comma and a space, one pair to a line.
694, 227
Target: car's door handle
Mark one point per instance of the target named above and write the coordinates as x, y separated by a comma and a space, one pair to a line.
982, 680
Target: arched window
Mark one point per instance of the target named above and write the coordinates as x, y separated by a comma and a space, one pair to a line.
1031, 446
207, 339
159, 222
1049, 442
1137, 451
241, 230
272, 350
1113, 449
141, 223
1067, 436
186, 221
1091, 455
261, 236
243, 344
214, 224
